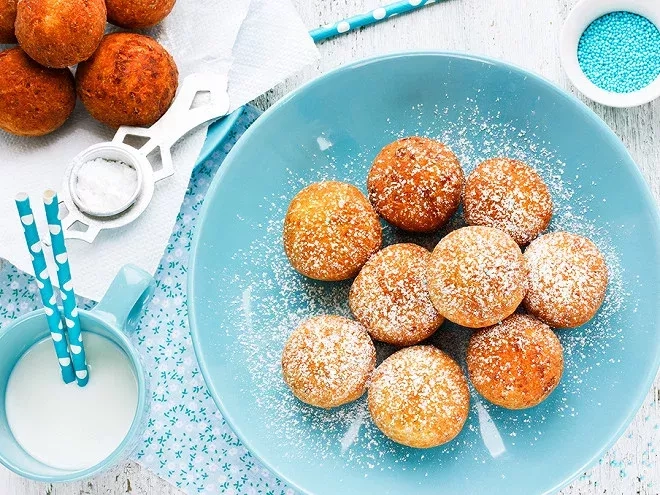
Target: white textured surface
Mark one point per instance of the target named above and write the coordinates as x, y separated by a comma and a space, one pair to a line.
524, 32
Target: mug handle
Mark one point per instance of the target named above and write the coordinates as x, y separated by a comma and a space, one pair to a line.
125, 297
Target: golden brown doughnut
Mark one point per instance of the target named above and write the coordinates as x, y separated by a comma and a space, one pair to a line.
415, 184
327, 361
419, 397
130, 80
60, 33
330, 231
517, 363
567, 279
390, 296
138, 14
477, 276
508, 195
34, 100
7, 20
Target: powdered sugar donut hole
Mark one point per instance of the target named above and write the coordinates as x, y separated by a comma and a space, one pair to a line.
415, 184
330, 231
517, 363
509, 195
390, 296
477, 276
419, 397
567, 279
327, 361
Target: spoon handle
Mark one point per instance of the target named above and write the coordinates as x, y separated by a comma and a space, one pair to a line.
201, 98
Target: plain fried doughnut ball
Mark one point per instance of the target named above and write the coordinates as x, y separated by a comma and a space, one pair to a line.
508, 195
327, 361
34, 100
567, 279
130, 80
138, 14
60, 33
390, 296
517, 363
7, 20
415, 184
419, 397
330, 231
477, 276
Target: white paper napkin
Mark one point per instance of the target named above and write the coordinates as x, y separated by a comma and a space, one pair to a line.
273, 40
258, 42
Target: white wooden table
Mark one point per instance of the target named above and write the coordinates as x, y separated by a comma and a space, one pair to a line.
524, 32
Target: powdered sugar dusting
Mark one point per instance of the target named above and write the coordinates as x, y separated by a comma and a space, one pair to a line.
567, 281
327, 360
516, 363
508, 195
330, 231
415, 183
390, 296
419, 397
353, 431
477, 276
277, 299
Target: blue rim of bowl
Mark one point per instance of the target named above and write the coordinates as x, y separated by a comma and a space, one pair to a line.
120, 453
637, 176
217, 134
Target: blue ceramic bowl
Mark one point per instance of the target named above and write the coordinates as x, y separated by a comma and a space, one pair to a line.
245, 299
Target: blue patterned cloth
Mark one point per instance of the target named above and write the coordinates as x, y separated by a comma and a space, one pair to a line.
187, 441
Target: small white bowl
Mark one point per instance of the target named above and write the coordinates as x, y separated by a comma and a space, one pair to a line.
582, 15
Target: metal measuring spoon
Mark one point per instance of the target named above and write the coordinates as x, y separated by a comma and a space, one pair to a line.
84, 221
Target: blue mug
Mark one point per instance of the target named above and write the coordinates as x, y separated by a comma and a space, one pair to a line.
116, 314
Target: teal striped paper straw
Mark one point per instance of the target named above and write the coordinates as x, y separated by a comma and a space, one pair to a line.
372, 17
45, 287
71, 320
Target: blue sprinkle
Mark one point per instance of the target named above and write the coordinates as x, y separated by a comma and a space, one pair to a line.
620, 52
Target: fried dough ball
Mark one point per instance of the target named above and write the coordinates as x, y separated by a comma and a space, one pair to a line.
517, 363
477, 276
508, 195
138, 14
60, 33
34, 100
330, 231
415, 184
130, 80
7, 20
419, 397
567, 279
327, 361
390, 296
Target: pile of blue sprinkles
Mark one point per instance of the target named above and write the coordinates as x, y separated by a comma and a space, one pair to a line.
620, 52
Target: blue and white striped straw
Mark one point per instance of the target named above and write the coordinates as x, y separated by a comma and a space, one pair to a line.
45, 287
372, 17
67, 293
